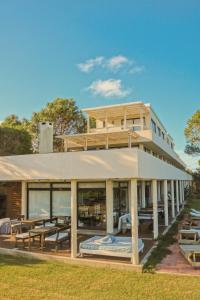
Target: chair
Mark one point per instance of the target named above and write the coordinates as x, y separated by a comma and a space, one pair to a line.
124, 222
5, 226
60, 235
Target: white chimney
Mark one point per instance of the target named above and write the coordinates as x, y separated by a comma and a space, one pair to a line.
45, 137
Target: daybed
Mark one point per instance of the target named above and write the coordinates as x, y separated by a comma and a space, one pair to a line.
109, 246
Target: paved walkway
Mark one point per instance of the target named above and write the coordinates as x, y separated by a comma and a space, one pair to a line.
176, 263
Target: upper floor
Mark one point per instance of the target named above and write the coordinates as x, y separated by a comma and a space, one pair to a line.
133, 124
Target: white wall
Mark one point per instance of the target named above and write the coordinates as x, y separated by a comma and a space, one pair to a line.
99, 164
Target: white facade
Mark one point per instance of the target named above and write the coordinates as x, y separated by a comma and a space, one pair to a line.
128, 147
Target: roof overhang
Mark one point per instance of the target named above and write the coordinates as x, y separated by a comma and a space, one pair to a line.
117, 110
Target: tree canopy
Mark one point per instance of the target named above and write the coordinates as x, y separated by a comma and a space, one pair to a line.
14, 141
66, 117
192, 134
20, 136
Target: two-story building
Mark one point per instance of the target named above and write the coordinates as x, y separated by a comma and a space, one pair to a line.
124, 163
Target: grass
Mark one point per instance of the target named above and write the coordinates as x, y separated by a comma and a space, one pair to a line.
169, 238
24, 279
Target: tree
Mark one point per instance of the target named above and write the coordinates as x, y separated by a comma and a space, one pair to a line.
192, 134
14, 141
14, 136
66, 117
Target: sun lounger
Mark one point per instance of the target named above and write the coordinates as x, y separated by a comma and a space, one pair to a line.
192, 254
109, 246
189, 236
195, 211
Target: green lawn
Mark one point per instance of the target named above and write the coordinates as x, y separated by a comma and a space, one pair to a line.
25, 279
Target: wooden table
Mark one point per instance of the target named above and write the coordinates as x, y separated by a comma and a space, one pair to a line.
41, 231
31, 222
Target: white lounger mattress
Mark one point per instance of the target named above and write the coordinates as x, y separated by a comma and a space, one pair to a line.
120, 246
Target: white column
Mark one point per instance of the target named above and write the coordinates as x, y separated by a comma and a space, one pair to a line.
183, 192
172, 197
73, 218
24, 198
166, 203
141, 147
180, 192
129, 141
134, 221
125, 119
85, 147
177, 196
155, 209
107, 142
88, 124
109, 206
143, 194
158, 190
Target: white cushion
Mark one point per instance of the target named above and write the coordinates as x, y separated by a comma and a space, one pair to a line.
52, 238
4, 220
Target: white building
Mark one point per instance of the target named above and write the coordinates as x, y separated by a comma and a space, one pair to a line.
125, 163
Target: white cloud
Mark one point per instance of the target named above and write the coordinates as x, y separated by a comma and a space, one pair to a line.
189, 160
108, 88
136, 69
116, 62
113, 64
90, 64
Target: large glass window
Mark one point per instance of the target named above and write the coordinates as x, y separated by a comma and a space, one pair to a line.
92, 205
48, 199
120, 200
39, 204
61, 203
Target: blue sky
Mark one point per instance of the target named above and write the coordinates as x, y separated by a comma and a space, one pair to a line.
101, 52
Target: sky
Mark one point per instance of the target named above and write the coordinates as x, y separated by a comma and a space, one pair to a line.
102, 52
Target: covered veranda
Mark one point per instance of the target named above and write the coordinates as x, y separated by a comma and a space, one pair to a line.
110, 175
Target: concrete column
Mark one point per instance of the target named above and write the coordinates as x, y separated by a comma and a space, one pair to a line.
134, 221
172, 197
109, 206
166, 203
155, 209
129, 141
141, 147
180, 192
183, 192
88, 124
107, 142
24, 199
177, 197
73, 218
143, 194
158, 190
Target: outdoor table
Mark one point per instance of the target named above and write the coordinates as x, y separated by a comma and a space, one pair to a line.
40, 231
33, 221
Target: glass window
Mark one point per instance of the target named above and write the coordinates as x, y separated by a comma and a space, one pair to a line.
153, 125
159, 131
61, 203
92, 205
39, 204
120, 200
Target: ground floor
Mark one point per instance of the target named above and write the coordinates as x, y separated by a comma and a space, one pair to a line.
130, 208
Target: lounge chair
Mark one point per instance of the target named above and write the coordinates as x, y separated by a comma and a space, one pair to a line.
192, 254
25, 236
195, 211
60, 235
189, 236
109, 246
